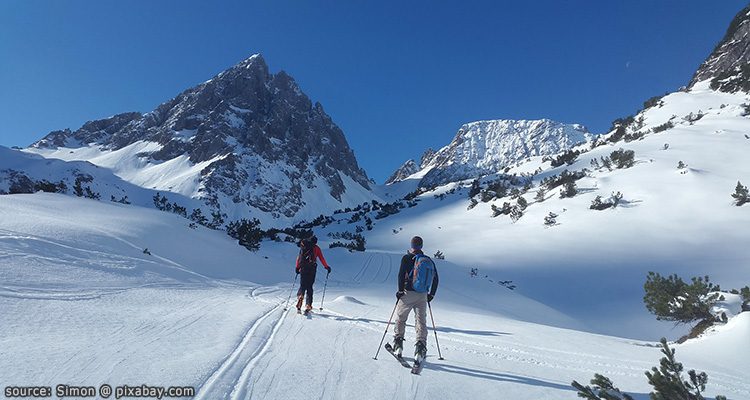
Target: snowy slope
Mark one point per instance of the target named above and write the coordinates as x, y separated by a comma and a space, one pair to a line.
201, 311
22, 172
670, 220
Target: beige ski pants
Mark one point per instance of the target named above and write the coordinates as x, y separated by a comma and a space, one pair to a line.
417, 302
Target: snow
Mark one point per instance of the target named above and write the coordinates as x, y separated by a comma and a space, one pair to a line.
483, 147
177, 175
668, 222
202, 311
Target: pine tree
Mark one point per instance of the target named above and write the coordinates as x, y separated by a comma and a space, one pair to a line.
569, 190
598, 204
603, 389
475, 188
672, 299
247, 233
540, 195
217, 219
198, 217
668, 382
551, 219
740, 194
522, 203
515, 214
616, 198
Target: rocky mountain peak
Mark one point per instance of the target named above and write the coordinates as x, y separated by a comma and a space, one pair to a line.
730, 57
264, 140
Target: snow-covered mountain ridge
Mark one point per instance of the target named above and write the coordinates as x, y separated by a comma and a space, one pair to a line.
246, 142
486, 147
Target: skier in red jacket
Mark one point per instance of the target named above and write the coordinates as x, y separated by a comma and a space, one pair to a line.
307, 266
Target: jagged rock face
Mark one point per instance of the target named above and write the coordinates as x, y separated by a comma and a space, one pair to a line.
486, 147
265, 140
403, 172
426, 157
730, 55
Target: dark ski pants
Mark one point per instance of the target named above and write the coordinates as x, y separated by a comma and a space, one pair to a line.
306, 282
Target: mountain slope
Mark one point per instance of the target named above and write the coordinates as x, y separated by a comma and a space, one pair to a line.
486, 147
210, 315
246, 141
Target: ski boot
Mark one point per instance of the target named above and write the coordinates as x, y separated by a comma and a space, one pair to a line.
398, 346
300, 299
420, 352
308, 308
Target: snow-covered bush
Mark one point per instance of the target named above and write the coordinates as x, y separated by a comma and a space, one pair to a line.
516, 213
569, 189
564, 177
601, 204
505, 210
568, 157
740, 194
439, 255
663, 127
540, 195
550, 219
622, 158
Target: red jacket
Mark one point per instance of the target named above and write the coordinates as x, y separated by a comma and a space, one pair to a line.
318, 255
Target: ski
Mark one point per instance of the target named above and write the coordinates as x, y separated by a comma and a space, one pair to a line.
417, 368
400, 359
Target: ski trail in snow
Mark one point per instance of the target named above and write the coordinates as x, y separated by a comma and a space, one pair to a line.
365, 265
223, 382
266, 338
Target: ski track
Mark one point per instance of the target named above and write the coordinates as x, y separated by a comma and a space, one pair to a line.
228, 379
238, 370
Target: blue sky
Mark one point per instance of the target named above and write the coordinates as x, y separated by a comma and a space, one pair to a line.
397, 76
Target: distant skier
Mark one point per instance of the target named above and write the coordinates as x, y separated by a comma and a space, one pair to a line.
417, 284
307, 267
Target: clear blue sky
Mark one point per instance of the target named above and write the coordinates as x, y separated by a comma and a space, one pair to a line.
397, 76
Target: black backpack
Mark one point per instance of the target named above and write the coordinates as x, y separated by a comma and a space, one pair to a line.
306, 254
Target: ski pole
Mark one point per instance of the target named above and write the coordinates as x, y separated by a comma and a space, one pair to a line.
286, 306
386, 330
440, 356
324, 291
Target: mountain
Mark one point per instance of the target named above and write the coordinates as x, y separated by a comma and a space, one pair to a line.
728, 65
404, 171
485, 147
244, 142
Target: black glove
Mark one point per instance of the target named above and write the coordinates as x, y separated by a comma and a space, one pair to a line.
297, 270
400, 294
328, 269
430, 297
